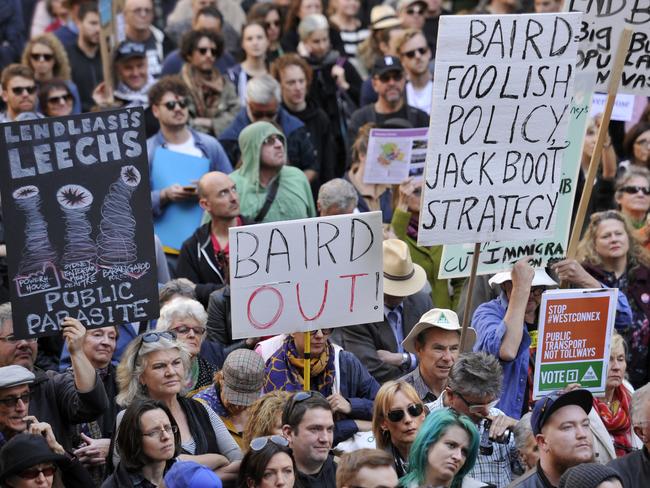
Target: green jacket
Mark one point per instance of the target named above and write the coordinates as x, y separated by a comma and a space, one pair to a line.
429, 258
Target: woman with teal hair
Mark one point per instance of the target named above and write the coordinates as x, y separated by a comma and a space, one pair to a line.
444, 451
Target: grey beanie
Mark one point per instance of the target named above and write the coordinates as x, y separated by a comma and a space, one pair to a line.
587, 475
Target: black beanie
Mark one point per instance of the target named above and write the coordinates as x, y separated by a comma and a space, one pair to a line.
587, 475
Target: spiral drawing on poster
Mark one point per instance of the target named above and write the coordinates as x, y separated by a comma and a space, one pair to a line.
116, 241
38, 250
75, 201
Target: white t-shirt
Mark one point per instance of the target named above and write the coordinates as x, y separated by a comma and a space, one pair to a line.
186, 147
420, 98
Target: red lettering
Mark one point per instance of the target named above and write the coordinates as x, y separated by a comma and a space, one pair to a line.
261, 325
322, 304
353, 286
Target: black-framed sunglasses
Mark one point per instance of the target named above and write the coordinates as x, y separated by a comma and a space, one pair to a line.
60, 100
264, 114
150, 337
41, 57
204, 50
33, 473
391, 75
419, 50
414, 410
415, 11
272, 23
11, 402
171, 104
19, 90
259, 443
633, 190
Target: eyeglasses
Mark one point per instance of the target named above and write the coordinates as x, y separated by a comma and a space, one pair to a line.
414, 410
11, 402
391, 75
273, 138
62, 99
150, 337
41, 57
415, 11
167, 429
32, 474
420, 50
13, 340
142, 11
635, 189
477, 407
259, 443
642, 142
264, 114
19, 90
272, 23
205, 50
185, 329
171, 104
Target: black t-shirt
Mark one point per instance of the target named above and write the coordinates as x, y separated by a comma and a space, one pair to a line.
325, 478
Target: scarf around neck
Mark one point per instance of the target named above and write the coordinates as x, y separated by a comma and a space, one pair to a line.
617, 419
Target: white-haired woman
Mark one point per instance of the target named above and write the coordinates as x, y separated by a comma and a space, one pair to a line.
155, 366
187, 319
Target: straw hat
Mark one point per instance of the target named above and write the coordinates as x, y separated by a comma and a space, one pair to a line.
541, 278
442, 319
383, 17
402, 277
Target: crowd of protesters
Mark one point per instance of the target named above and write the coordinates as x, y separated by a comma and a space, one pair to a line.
280, 96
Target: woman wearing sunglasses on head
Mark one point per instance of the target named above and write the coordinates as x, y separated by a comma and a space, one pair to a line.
610, 253
156, 366
398, 414
148, 441
186, 318
443, 452
55, 99
268, 463
337, 374
47, 57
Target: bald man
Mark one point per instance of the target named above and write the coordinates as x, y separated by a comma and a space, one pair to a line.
204, 256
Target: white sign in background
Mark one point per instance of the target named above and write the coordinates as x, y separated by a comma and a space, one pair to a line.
623, 106
503, 90
306, 274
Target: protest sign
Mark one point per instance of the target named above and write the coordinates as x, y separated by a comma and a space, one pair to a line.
498, 128
599, 34
75, 192
307, 274
573, 339
500, 256
394, 155
179, 220
623, 106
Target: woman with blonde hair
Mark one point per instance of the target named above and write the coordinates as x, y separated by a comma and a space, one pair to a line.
633, 195
265, 416
611, 254
47, 57
398, 414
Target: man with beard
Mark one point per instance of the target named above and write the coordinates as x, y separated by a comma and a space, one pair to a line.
18, 91
415, 55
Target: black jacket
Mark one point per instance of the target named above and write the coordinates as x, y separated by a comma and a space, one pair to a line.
367, 114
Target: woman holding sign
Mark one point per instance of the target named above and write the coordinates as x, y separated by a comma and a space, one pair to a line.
610, 253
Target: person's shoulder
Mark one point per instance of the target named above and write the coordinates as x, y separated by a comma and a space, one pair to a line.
528, 479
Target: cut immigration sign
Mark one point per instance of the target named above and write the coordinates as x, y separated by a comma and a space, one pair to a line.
575, 327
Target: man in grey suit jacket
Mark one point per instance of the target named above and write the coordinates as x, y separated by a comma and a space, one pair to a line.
379, 345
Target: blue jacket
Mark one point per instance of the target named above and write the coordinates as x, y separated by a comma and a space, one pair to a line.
490, 329
208, 145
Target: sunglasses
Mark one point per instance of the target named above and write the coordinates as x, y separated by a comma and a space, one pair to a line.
11, 402
171, 105
32, 474
477, 407
262, 114
273, 23
60, 99
272, 139
635, 189
414, 410
420, 50
41, 57
325, 332
19, 90
259, 443
391, 75
415, 11
299, 397
185, 329
149, 338
205, 50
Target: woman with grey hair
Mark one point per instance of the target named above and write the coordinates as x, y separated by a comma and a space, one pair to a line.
336, 197
633, 195
525, 442
155, 366
187, 319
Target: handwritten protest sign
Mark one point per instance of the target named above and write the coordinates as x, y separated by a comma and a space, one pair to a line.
394, 155
306, 274
574, 339
179, 220
503, 87
599, 34
499, 256
75, 192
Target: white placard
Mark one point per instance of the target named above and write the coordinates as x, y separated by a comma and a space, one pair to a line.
394, 155
623, 106
306, 274
599, 34
502, 92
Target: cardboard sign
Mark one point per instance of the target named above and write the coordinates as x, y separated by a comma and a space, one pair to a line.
75, 193
306, 274
498, 129
575, 327
179, 220
500, 256
602, 25
623, 106
394, 155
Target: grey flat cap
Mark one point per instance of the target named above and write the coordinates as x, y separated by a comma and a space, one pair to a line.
15, 375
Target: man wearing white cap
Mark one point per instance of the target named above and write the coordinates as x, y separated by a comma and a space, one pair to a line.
507, 326
379, 345
435, 340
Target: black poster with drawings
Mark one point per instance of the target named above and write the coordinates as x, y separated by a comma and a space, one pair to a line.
77, 210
